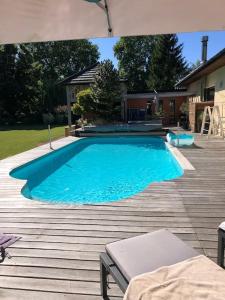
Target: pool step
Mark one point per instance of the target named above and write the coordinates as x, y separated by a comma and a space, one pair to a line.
82, 133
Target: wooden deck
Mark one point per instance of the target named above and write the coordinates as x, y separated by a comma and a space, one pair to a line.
58, 255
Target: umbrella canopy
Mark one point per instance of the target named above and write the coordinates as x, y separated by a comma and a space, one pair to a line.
45, 20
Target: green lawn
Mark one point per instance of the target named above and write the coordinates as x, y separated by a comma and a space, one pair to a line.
16, 139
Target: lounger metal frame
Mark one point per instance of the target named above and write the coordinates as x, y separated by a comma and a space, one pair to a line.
107, 266
2, 254
221, 246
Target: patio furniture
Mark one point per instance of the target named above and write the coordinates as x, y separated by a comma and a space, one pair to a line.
5, 242
221, 245
128, 258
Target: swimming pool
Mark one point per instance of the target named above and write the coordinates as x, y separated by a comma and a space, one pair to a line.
98, 169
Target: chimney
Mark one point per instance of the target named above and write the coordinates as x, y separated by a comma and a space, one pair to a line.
204, 48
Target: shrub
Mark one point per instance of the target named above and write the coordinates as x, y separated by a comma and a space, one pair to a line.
6, 118
48, 118
60, 114
60, 119
85, 99
77, 109
84, 104
81, 122
60, 109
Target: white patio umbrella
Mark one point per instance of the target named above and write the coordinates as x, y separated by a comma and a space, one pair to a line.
44, 20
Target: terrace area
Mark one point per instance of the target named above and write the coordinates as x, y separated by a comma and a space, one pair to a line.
58, 255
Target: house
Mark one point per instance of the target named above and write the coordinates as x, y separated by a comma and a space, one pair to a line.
167, 104
135, 106
206, 84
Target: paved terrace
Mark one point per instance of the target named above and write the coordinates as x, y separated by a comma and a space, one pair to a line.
57, 257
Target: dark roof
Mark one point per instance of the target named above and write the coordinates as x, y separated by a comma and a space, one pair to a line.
158, 91
160, 94
209, 66
83, 77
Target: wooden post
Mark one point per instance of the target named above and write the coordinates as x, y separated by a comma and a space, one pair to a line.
49, 137
123, 88
220, 248
68, 98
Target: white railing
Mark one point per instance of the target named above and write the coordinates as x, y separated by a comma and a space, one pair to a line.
195, 99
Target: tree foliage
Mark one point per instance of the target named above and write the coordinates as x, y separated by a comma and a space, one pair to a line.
106, 91
167, 64
103, 99
150, 62
84, 103
8, 86
29, 72
195, 65
133, 54
29, 84
59, 60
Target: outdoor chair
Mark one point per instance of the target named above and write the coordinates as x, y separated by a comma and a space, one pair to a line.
5, 242
221, 245
125, 259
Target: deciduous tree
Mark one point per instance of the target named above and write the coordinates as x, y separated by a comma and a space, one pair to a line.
8, 85
29, 84
29, 72
134, 54
60, 59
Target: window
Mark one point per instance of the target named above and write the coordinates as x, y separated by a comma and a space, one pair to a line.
209, 94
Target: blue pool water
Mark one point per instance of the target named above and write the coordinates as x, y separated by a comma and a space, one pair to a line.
101, 169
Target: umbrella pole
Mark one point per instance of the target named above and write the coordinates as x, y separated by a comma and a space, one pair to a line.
106, 10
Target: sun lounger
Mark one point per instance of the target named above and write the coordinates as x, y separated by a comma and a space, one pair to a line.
128, 258
5, 242
196, 278
221, 245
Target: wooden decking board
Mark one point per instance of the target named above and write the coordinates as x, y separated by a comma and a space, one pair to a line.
57, 257
9, 294
56, 263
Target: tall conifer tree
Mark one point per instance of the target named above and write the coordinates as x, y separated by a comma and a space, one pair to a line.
106, 91
167, 64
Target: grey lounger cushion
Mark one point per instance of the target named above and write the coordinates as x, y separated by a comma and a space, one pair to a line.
148, 252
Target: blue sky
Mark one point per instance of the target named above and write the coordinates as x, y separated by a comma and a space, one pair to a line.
191, 41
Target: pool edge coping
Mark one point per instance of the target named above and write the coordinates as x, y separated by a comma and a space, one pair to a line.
182, 160
15, 185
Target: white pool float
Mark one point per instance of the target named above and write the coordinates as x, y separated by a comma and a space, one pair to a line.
179, 140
